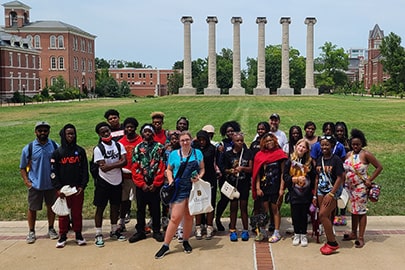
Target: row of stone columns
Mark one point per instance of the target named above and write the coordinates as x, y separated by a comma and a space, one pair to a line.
237, 89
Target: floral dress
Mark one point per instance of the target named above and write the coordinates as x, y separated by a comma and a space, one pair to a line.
356, 173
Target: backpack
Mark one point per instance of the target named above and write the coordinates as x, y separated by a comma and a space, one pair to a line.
94, 167
55, 146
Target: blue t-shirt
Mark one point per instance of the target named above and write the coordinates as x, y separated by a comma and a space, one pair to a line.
40, 168
338, 150
175, 160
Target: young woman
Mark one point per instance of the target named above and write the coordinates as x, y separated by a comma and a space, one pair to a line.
268, 169
299, 178
294, 135
310, 129
358, 183
262, 128
329, 180
192, 161
238, 167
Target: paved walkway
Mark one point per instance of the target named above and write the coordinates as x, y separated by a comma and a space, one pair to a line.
385, 239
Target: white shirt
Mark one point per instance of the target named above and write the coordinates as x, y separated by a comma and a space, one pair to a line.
114, 176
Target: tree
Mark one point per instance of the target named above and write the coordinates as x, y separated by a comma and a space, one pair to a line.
174, 82
224, 70
393, 61
331, 64
101, 63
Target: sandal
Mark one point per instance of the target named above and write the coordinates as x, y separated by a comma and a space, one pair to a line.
327, 249
359, 243
274, 238
349, 237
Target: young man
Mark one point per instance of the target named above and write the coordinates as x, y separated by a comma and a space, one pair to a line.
108, 185
129, 141
274, 122
113, 118
157, 122
35, 170
148, 175
70, 167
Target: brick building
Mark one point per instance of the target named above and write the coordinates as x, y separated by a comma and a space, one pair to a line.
64, 50
373, 68
143, 81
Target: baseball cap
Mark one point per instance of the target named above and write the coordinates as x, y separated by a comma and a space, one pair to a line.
42, 124
275, 115
209, 128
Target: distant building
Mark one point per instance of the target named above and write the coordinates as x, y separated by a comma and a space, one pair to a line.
357, 53
19, 66
373, 68
143, 81
64, 50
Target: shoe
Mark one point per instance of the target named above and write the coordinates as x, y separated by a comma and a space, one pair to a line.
220, 227
31, 238
233, 236
328, 249
180, 235
99, 242
343, 221
79, 239
158, 236
359, 243
62, 241
137, 237
259, 237
349, 237
198, 233
162, 252
122, 228
304, 240
127, 217
52, 234
187, 247
296, 240
245, 235
274, 238
148, 227
117, 236
210, 231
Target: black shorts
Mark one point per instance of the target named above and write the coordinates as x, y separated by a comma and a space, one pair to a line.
37, 197
244, 188
105, 192
271, 198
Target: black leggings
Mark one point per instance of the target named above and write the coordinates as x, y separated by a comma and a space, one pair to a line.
299, 217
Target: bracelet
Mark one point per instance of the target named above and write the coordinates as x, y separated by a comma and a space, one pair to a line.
331, 194
314, 197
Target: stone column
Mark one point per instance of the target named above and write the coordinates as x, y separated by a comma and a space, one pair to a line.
261, 89
285, 89
187, 88
212, 88
236, 89
310, 89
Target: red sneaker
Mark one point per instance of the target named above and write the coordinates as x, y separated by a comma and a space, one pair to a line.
328, 249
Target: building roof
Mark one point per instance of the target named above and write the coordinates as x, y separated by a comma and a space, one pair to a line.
7, 39
376, 33
16, 4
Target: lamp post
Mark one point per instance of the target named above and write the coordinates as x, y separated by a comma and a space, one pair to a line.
83, 81
23, 94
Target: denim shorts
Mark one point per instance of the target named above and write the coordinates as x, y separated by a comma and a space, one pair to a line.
337, 194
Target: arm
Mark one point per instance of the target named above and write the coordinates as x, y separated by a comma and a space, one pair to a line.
118, 164
84, 166
371, 159
24, 176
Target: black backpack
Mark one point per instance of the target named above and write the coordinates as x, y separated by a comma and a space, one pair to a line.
94, 167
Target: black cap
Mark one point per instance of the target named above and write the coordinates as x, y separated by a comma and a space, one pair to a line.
275, 115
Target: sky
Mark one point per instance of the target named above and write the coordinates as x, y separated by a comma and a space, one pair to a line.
150, 31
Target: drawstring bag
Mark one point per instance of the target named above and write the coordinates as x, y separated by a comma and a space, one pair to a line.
60, 207
199, 201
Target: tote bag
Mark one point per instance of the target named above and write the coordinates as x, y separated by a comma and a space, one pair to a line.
199, 201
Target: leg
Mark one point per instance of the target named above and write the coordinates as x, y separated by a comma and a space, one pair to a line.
175, 219
188, 222
244, 214
234, 213
325, 218
32, 217
98, 217
362, 229
76, 206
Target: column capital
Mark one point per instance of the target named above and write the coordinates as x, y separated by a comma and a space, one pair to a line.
213, 19
285, 20
310, 20
187, 19
261, 20
236, 20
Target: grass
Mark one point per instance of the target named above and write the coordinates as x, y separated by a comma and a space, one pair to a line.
381, 120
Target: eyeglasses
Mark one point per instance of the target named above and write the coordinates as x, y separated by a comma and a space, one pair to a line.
185, 140
43, 130
157, 122
327, 137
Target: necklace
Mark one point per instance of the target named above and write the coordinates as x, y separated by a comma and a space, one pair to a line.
185, 155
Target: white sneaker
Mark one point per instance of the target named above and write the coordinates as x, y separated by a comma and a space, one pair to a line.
198, 233
210, 231
304, 240
296, 239
180, 235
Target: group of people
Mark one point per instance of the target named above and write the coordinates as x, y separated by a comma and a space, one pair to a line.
125, 166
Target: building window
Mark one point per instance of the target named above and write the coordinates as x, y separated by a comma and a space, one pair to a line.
61, 43
52, 42
121, 75
151, 75
129, 75
143, 75
140, 75
53, 62
39, 63
29, 38
53, 80
83, 65
26, 61
10, 55
61, 63
34, 62
37, 41
90, 66
18, 60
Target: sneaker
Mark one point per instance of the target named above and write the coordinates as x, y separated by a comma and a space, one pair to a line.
62, 241
137, 237
198, 233
259, 237
162, 252
52, 234
79, 239
31, 238
180, 235
245, 235
187, 247
304, 240
233, 236
296, 240
117, 236
99, 242
210, 231
158, 236
343, 221
127, 217
122, 228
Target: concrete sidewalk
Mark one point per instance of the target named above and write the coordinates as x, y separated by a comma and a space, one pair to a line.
385, 239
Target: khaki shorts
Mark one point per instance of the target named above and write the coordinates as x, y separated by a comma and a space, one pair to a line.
128, 189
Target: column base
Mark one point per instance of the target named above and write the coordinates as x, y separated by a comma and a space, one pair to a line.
187, 91
261, 91
285, 91
212, 91
309, 92
237, 91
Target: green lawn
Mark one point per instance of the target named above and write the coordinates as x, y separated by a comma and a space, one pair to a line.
381, 119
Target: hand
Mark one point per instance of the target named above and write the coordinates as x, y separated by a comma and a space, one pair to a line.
279, 200
79, 190
145, 188
368, 183
152, 188
61, 195
327, 200
260, 192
